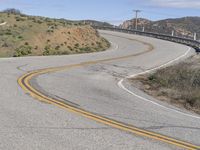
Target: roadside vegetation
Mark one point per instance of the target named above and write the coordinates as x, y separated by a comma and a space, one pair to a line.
25, 35
178, 84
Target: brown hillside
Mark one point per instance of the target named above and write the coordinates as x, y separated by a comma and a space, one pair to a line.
29, 35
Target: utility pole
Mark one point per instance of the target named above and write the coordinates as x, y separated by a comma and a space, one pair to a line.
136, 18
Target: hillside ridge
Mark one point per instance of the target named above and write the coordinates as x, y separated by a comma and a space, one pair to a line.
24, 35
185, 27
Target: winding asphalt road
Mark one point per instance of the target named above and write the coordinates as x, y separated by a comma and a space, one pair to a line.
83, 105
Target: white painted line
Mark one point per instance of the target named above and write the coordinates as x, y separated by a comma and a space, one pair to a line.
116, 46
120, 84
2, 24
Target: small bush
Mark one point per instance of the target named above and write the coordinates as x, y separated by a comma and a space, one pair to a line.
57, 47
22, 51
50, 31
19, 19
20, 37
36, 47
69, 47
76, 45
48, 50
26, 43
8, 33
85, 49
39, 21
5, 44
69, 23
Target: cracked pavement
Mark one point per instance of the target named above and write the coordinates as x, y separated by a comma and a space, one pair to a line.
26, 123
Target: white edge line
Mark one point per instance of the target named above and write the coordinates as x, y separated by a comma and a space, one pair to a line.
4, 23
120, 84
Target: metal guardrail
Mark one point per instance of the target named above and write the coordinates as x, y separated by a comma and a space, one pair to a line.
186, 41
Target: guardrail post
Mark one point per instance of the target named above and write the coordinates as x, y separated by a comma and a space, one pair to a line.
172, 32
195, 36
143, 29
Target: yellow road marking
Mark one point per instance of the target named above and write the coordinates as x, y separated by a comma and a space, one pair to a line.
24, 82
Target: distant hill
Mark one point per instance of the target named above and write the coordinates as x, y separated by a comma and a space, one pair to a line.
96, 23
22, 35
185, 26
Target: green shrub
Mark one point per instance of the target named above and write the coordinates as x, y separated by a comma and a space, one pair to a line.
8, 33
50, 31
47, 50
85, 49
36, 47
76, 45
57, 47
20, 37
22, 51
69, 23
5, 44
26, 43
19, 19
69, 47
39, 21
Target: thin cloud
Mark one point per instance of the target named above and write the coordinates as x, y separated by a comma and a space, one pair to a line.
177, 3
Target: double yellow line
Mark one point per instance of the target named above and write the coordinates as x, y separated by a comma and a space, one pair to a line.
24, 82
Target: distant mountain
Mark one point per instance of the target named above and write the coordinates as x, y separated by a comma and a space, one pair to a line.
185, 26
97, 23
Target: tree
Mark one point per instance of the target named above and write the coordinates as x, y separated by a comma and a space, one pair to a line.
12, 11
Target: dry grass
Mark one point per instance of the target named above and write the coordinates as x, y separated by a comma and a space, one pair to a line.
178, 84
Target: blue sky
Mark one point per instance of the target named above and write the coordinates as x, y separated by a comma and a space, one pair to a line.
113, 11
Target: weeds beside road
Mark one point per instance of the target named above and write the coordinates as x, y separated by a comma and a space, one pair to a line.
178, 84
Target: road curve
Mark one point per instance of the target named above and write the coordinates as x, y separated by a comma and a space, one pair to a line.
87, 85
